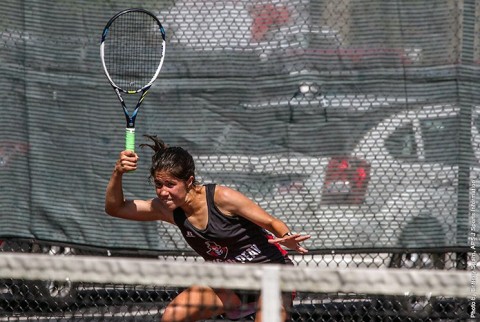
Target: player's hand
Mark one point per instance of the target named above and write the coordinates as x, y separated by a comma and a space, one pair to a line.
127, 161
292, 242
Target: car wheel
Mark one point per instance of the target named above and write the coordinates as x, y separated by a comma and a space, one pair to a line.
409, 305
414, 305
418, 260
57, 294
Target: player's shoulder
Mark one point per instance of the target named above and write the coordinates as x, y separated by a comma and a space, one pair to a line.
222, 191
225, 195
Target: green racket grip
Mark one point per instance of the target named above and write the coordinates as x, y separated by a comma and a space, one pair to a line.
130, 139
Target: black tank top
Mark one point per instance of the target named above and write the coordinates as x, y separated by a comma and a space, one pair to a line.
229, 239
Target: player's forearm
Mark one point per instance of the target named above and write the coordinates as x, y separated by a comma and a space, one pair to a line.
114, 198
279, 228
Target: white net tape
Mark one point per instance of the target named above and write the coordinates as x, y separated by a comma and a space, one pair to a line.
179, 274
271, 280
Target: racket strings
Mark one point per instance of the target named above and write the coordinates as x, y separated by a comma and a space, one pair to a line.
133, 50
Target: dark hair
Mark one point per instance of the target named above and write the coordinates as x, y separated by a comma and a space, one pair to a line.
174, 160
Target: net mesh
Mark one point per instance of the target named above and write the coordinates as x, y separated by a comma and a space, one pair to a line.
130, 289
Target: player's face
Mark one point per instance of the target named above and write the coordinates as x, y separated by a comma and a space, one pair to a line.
170, 190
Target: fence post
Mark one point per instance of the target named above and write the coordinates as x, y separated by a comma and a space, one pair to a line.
271, 294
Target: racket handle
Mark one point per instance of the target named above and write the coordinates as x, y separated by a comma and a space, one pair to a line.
130, 139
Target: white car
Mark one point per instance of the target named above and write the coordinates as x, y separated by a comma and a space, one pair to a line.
399, 187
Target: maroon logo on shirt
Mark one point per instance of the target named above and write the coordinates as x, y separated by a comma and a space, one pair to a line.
216, 250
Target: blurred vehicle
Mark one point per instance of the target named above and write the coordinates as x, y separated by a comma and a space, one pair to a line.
412, 173
274, 37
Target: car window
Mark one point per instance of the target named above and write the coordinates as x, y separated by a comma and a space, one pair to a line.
440, 139
401, 143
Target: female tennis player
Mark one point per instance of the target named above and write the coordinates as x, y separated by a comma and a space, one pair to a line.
219, 223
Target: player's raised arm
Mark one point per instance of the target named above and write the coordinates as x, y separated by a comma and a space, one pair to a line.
115, 203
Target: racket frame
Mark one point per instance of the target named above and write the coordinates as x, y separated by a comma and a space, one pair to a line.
130, 117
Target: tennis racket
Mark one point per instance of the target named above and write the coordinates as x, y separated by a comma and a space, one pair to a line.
132, 52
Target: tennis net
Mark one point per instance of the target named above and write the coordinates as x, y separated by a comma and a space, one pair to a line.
37, 287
